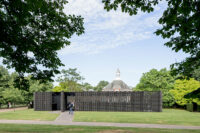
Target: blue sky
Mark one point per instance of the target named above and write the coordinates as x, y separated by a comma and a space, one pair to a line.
116, 40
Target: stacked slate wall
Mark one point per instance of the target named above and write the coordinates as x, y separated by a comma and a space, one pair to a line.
119, 101
135, 101
43, 101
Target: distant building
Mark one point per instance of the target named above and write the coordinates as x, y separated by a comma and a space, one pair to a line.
117, 84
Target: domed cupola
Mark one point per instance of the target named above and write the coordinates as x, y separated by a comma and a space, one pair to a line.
117, 84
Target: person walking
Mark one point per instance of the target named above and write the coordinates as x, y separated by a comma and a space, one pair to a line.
71, 105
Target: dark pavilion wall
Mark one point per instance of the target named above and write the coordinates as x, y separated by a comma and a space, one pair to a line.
43, 101
102, 101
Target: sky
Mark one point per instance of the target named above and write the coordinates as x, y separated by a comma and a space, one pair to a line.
116, 40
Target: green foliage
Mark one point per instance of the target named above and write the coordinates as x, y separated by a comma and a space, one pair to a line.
4, 79
198, 108
69, 81
193, 94
70, 75
9, 92
59, 89
87, 87
196, 74
68, 86
32, 32
183, 87
130, 7
190, 107
12, 95
155, 80
101, 85
180, 24
35, 86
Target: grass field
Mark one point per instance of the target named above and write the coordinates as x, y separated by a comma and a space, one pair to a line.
168, 116
28, 114
5, 128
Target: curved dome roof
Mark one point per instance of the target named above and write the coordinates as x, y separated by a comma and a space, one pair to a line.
117, 84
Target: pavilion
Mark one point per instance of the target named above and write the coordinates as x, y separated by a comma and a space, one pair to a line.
116, 96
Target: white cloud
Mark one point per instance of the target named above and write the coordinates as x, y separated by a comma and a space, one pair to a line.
106, 30
85, 8
93, 47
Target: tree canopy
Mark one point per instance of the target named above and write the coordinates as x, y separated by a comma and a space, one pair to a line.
183, 87
193, 94
4, 82
35, 86
155, 80
196, 74
10, 93
70, 81
87, 87
101, 85
180, 24
32, 32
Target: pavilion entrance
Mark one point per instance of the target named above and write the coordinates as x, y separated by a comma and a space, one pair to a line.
69, 98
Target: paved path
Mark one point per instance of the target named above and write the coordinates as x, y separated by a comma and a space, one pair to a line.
66, 119
100, 124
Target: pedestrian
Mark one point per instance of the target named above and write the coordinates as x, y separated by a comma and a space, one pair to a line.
9, 105
71, 105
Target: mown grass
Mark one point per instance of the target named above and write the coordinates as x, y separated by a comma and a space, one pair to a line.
28, 114
19, 128
168, 116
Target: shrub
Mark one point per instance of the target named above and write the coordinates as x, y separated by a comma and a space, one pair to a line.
189, 107
198, 108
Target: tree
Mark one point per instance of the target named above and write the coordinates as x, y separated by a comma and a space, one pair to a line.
59, 89
193, 94
180, 24
8, 93
32, 32
4, 83
87, 87
4, 77
101, 85
196, 74
70, 80
183, 87
13, 95
155, 80
35, 86
71, 74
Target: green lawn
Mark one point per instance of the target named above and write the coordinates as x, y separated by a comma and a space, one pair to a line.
168, 116
28, 114
5, 128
